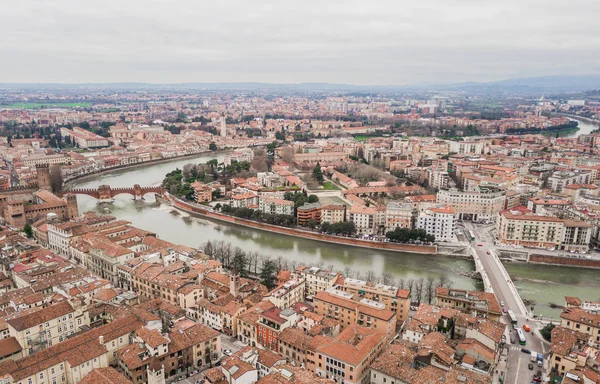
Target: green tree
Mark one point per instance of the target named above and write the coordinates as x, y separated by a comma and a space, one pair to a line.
240, 262
280, 136
212, 146
28, 230
317, 174
313, 198
546, 332
268, 274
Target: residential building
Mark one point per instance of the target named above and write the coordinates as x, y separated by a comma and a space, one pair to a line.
275, 206
333, 213
484, 204
308, 212
363, 218
393, 298
41, 328
343, 306
477, 303
398, 215
439, 222
318, 280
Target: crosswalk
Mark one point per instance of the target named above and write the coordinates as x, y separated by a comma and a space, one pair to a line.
515, 348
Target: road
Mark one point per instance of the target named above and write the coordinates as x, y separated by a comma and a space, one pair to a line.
517, 362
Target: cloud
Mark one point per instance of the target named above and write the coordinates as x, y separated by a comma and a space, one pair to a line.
359, 42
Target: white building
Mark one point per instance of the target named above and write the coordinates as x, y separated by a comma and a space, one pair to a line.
275, 206
561, 179
363, 218
438, 221
466, 147
483, 204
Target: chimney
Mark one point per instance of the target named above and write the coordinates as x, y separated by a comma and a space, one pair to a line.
101, 340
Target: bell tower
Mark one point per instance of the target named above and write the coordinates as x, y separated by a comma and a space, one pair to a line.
43, 176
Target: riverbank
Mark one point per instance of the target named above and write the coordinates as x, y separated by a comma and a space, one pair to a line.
202, 211
99, 172
581, 118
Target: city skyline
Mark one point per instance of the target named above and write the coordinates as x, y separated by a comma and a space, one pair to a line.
363, 44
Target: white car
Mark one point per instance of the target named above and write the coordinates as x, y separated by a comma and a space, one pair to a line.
227, 352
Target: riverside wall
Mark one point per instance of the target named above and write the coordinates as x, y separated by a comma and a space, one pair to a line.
565, 261
409, 248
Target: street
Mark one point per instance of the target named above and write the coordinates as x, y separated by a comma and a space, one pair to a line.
517, 370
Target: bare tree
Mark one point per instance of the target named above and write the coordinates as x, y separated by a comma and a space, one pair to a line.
418, 294
293, 265
410, 285
253, 257
287, 154
401, 283
429, 289
370, 276
443, 280
330, 267
187, 170
388, 278
279, 263
347, 271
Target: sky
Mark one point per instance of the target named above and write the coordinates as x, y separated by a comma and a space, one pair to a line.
367, 42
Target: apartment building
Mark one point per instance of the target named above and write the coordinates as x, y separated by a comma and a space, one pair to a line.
484, 204
318, 280
560, 179
275, 206
466, 147
577, 319
438, 221
393, 298
70, 361
426, 320
343, 306
398, 215
246, 328
202, 192
41, 328
348, 357
333, 213
308, 212
289, 293
271, 323
438, 179
244, 200
156, 281
482, 304
529, 230
569, 350
105, 257
364, 219
83, 138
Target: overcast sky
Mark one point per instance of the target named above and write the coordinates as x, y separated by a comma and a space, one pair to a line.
357, 42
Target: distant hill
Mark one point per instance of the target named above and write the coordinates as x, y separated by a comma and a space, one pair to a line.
526, 85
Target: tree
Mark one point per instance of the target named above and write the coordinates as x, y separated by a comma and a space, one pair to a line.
209, 249
312, 223
546, 332
317, 174
313, 198
28, 230
280, 136
240, 262
268, 274
212, 146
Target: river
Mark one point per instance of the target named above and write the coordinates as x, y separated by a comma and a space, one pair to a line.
542, 284
585, 128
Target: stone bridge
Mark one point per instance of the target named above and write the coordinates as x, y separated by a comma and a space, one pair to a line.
107, 193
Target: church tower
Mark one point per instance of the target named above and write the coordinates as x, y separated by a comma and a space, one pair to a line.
234, 283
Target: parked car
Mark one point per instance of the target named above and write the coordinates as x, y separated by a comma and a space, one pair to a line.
501, 303
525, 350
530, 367
480, 245
227, 352
504, 310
